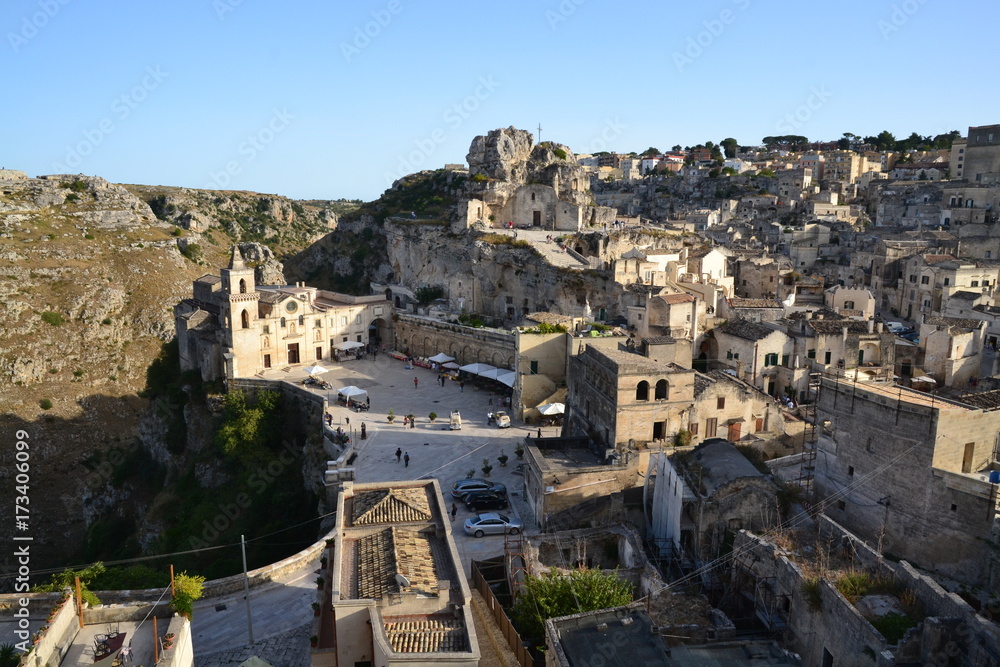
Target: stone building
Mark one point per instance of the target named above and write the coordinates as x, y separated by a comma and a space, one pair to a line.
851, 301
232, 327
952, 349
753, 351
982, 155
927, 281
910, 471
751, 310
702, 496
398, 589
511, 179
758, 277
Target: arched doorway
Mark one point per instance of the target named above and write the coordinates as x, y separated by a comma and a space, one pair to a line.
380, 333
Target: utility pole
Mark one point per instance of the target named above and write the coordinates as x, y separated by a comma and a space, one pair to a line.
539, 133
246, 589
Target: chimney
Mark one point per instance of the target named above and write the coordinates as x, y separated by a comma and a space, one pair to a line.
871, 326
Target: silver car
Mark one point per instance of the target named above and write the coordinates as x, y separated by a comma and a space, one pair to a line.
490, 523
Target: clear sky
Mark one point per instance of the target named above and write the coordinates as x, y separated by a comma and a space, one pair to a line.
335, 99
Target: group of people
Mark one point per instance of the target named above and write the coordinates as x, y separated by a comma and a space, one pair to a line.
405, 457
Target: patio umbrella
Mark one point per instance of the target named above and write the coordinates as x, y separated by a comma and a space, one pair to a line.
451, 365
549, 409
441, 357
348, 345
507, 377
351, 391
316, 370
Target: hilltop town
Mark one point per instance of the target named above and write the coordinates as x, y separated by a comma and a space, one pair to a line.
758, 384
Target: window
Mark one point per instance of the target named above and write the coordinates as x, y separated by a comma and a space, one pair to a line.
841, 505
827, 357
975, 283
720, 403
913, 279
771, 359
642, 391
711, 426
924, 280
989, 254
693, 428
811, 354
662, 391
850, 471
947, 281
243, 286
343, 321
319, 323
784, 360
534, 368
954, 507
266, 329
245, 319
849, 305
282, 322
302, 320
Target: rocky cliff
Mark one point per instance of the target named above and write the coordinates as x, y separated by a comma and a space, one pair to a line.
88, 278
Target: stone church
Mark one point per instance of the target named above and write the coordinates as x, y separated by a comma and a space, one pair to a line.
233, 328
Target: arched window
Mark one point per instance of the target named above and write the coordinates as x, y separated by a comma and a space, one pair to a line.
302, 320
282, 322
243, 286
662, 390
532, 196
642, 391
245, 319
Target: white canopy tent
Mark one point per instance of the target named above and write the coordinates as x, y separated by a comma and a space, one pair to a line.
451, 365
507, 377
441, 358
316, 370
348, 345
477, 369
351, 391
549, 409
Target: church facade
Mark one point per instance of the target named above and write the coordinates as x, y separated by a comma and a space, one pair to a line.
232, 327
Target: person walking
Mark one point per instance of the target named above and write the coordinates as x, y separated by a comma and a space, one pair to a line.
415, 382
406, 460
461, 386
454, 511
399, 454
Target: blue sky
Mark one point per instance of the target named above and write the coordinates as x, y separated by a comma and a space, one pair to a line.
327, 100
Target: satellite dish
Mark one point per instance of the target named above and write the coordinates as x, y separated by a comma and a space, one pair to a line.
402, 581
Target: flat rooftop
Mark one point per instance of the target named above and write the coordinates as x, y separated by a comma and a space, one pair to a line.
622, 636
735, 654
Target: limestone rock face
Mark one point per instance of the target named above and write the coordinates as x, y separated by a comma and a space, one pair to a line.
501, 155
267, 269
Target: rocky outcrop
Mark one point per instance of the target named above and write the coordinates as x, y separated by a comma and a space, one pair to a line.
267, 269
501, 155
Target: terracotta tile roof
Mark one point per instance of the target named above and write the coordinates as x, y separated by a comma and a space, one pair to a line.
677, 298
737, 302
987, 400
937, 259
209, 279
428, 634
390, 506
746, 330
953, 322
415, 559
966, 296
837, 326
395, 550
659, 340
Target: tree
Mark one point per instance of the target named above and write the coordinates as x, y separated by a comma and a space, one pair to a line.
249, 428
187, 589
728, 171
676, 148
650, 151
553, 594
67, 579
425, 295
729, 146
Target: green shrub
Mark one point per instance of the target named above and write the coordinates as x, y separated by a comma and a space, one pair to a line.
55, 319
893, 626
78, 372
177, 232
187, 589
89, 237
560, 153
192, 251
106, 320
683, 438
45, 404
479, 178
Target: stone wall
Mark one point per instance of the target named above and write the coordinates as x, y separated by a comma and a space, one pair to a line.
425, 337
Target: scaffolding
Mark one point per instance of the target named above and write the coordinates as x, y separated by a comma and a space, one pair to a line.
517, 565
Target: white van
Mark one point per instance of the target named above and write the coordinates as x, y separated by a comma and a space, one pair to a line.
896, 327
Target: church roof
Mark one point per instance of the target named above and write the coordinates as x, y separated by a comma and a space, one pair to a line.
236, 260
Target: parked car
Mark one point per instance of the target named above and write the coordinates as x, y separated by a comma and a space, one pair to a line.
464, 486
502, 419
491, 524
913, 337
486, 500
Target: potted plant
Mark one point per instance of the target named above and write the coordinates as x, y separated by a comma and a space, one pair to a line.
486, 468
391, 416
315, 606
432, 416
470, 473
519, 451
502, 459
319, 582
313, 641
322, 561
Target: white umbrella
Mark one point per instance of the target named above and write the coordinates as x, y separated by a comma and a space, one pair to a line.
441, 357
552, 409
351, 391
316, 370
348, 345
451, 365
507, 377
